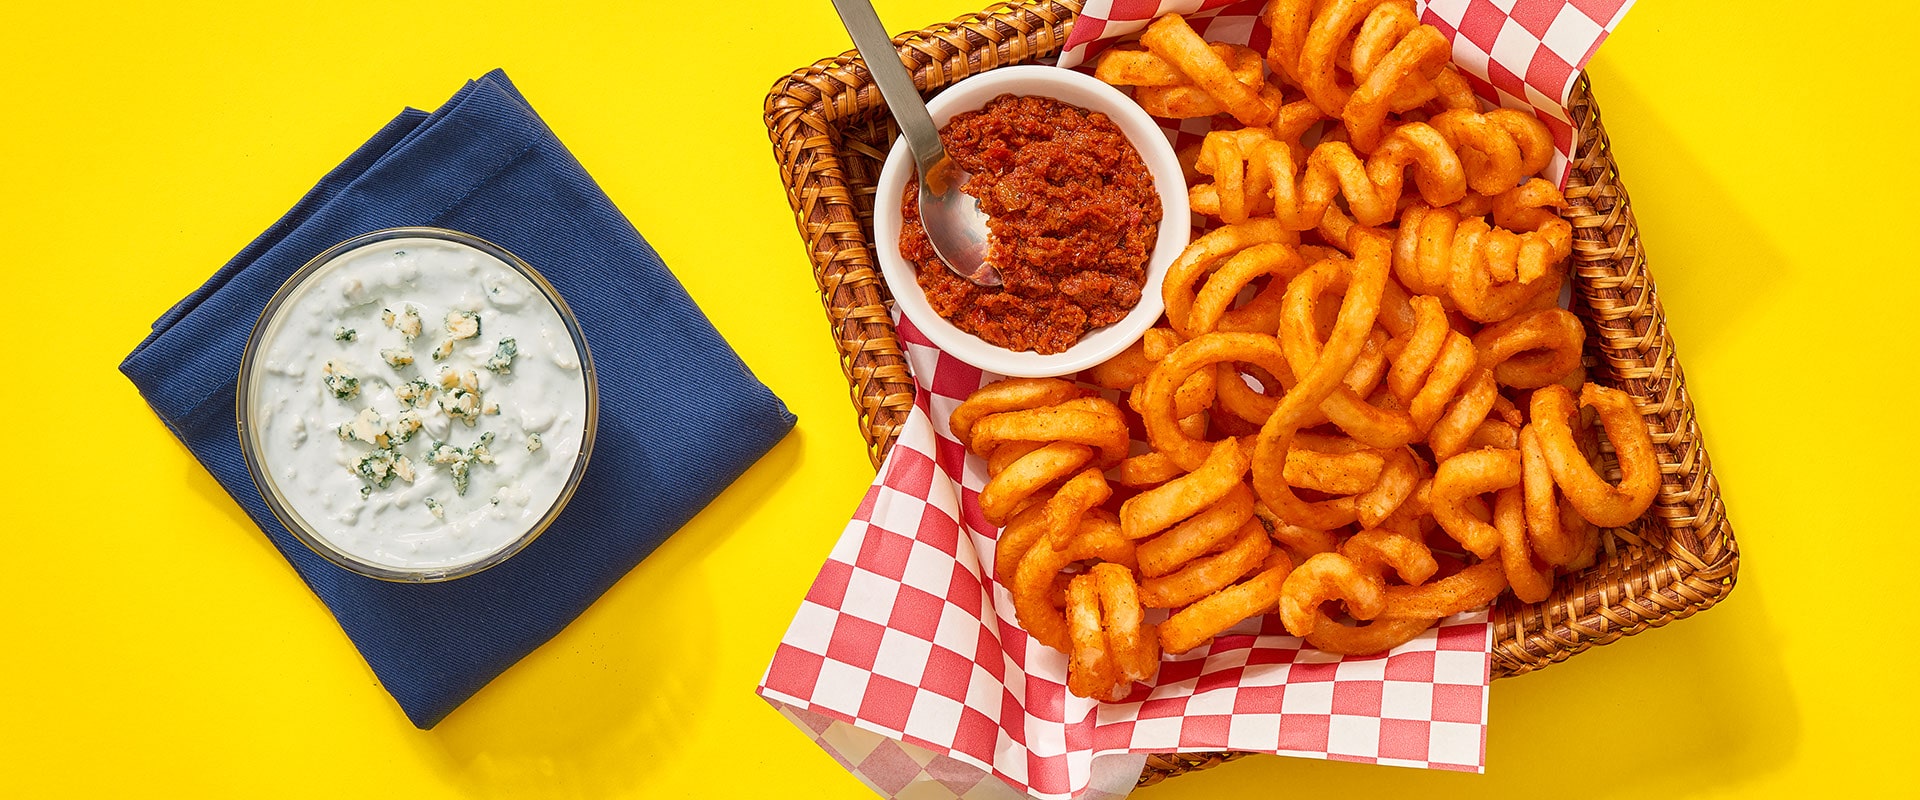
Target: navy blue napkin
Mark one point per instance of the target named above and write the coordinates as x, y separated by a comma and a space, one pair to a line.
680, 416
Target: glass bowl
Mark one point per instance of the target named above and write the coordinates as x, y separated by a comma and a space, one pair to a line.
277, 381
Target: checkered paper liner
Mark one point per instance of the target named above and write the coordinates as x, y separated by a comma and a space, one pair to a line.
905, 636
1522, 54
906, 665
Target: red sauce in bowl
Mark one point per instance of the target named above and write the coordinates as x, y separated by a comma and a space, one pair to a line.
1073, 216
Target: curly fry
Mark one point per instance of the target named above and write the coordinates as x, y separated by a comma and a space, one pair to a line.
1455, 429
1071, 502
1136, 644
1324, 577
1112, 644
1100, 429
1377, 550
1177, 290
1157, 396
1530, 580
1320, 372
1533, 349
1254, 173
1211, 305
1598, 501
1499, 149
1091, 671
1016, 394
1469, 475
1378, 636
1033, 581
1398, 479
1192, 626
1157, 509
1011, 486
1207, 575
1479, 252
1170, 38
1199, 534
1466, 590
1555, 542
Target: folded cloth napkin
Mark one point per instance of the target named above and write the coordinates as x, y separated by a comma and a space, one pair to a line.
680, 416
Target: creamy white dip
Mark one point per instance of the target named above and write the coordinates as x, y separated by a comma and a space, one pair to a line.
418, 403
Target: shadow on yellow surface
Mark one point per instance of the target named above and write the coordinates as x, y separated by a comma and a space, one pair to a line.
1689, 275
1700, 708
622, 696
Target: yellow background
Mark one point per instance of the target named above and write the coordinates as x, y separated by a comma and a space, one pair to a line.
155, 645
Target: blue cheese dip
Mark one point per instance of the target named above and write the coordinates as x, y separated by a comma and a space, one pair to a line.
418, 403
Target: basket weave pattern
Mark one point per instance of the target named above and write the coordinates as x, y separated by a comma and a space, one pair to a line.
831, 132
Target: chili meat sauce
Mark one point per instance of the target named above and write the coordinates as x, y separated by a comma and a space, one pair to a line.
1073, 216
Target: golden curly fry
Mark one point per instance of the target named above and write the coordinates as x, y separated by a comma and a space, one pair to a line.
1014, 484
1206, 618
1467, 476
1103, 430
1377, 636
1555, 542
1177, 290
1032, 588
1204, 576
1320, 370
1379, 549
1530, 580
1499, 149
1071, 502
1466, 590
1399, 477
1211, 307
1256, 174
1112, 644
1532, 349
1325, 577
1198, 535
1453, 432
1015, 394
1091, 671
1170, 38
1157, 509
1157, 397
1443, 251
1598, 501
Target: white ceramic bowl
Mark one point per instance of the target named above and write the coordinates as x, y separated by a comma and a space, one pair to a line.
1077, 89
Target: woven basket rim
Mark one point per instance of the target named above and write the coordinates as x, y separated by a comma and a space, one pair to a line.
1680, 560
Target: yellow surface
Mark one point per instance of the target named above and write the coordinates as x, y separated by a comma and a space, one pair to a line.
157, 646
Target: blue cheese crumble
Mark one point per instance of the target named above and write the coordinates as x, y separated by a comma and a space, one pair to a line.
339, 381
501, 362
415, 393
462, 324
407, 321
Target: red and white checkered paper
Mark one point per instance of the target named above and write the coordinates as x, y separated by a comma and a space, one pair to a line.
1522, 54
905, 662
905, 636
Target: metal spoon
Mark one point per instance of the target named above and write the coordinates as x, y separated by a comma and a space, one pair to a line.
955, 224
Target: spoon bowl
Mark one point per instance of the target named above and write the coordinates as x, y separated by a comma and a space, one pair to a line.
955, 224
956, 227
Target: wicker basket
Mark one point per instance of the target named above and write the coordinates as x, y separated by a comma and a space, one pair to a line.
831, 132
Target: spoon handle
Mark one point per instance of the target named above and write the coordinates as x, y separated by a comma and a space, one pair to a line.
896, 86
